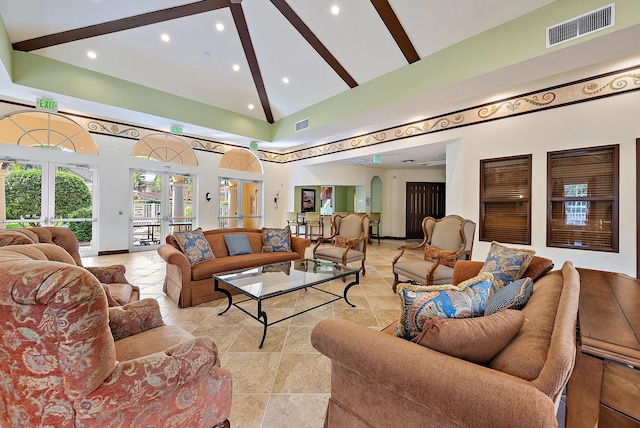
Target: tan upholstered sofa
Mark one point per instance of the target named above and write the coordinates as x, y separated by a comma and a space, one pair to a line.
191, 285
69, 360
119, 290
379, 380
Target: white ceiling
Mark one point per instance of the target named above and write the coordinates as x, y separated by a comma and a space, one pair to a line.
197, 62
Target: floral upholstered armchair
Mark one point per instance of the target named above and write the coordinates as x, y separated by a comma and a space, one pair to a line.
119, 291
67, 360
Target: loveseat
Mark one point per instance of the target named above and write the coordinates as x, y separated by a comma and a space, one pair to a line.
119, 290
380, 380
190, 285
69, 360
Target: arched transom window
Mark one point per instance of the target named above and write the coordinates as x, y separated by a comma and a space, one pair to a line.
241, 160
44, 129
164, 148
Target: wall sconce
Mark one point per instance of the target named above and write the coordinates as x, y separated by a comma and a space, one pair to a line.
276, 199
207, 196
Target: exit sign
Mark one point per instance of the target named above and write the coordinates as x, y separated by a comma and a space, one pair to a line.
45, 104
176, 129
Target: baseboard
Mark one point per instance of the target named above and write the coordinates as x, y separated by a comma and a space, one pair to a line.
108, 253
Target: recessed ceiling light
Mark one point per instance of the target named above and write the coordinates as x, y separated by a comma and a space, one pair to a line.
165, 37
335, 9
219, 26
92, 55
250, 106
285, 79
236, 67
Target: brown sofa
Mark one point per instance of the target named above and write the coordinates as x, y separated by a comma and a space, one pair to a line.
119, 291
191, 285
379, 380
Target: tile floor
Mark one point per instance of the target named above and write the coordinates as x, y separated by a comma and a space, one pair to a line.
287, 382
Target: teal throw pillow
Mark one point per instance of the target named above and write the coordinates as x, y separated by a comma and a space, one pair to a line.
511, 296
194, 245
422, 302
237, 244
276, 240
506, 264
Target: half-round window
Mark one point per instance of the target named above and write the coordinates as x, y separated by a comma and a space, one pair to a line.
241, 160
164, 148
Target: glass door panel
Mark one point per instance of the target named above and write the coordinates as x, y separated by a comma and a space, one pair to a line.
162, 204
21, 195
240, 203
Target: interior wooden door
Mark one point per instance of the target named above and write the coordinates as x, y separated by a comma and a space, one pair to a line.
423, 200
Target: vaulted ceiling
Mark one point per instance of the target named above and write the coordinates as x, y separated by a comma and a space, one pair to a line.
278, 56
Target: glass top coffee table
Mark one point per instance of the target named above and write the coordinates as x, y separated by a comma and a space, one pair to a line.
265, 282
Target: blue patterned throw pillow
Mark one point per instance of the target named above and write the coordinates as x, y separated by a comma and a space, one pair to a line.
511, 296
419, 303
237, 244
506, 264
194, 245
276, 240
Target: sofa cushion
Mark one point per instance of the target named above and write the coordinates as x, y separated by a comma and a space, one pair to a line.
238, 244
526, 354
476, 339
445, 257
421, 302
225, 264
274, 240
194, 245
512, 296
506, 264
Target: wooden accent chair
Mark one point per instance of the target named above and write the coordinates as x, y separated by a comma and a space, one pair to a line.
446, 240
313, 220
294, 222
348, 241
374, 226
69, 360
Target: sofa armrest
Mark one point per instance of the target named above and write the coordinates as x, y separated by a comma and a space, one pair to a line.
109, 274
134, 318
299, 245
465, 269
142, 380
468, 394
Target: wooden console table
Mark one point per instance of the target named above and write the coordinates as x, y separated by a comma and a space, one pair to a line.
604, 388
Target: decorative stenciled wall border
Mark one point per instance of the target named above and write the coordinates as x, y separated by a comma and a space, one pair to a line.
604, 85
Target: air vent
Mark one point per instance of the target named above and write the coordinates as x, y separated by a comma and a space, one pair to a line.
582, 25
303, 124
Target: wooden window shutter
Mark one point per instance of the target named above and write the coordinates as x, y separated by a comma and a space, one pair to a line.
505, 200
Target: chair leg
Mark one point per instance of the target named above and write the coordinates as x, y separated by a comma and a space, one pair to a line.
396, 281
363, 269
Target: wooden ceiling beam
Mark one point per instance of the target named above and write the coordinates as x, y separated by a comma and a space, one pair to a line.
250, 54
120, 25
311, 38
394, 26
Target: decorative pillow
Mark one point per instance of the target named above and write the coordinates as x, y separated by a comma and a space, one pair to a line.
276, 240
194, 245
476, 339
419, 303
343, 242
506, 264
445, 257
511, 296
238, 243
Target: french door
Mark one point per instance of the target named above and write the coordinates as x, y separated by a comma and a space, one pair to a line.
240, 203
161, 205
50, 194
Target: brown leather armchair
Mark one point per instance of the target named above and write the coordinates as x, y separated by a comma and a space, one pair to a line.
68, 360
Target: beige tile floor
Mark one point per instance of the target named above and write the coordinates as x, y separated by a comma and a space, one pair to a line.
287, 382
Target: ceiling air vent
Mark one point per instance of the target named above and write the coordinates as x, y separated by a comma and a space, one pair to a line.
302, 124
581, 25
